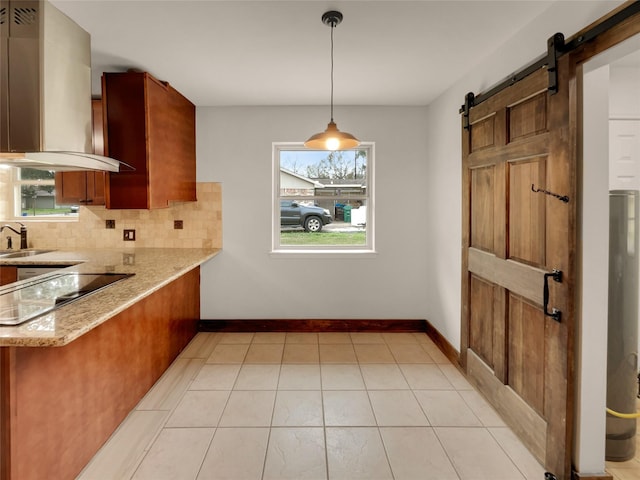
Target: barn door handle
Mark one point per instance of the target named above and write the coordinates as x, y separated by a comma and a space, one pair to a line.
556, 314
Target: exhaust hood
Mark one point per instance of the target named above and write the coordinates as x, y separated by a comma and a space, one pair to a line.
45, 90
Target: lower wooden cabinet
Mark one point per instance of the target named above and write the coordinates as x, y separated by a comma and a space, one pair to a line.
8, 274
58, 405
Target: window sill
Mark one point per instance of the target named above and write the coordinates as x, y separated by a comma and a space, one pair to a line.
46, 219
328, 253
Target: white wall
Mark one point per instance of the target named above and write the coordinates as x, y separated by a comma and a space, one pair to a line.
624, 100
246, 282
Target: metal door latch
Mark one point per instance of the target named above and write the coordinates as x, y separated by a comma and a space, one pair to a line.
562, 198
556, 314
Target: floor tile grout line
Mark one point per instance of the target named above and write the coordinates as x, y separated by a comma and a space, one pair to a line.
163, 425
380, 433
386, 453
215, 431
324, 421
275, 399
453, 465
524, 475
474, 412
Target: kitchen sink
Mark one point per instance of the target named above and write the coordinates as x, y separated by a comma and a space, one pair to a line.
23, 253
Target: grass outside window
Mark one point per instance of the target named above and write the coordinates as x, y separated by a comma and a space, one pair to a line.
323, 238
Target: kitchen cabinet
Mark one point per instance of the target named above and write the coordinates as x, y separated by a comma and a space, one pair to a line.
8, 274
85, 188
58, 405
150, 126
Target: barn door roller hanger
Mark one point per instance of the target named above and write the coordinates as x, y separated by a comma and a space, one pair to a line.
556, 47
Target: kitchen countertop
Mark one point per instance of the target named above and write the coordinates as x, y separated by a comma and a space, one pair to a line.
153, 269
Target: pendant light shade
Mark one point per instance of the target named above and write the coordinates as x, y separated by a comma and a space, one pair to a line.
332, 138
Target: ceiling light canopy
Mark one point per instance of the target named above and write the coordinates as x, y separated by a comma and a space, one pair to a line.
332, 138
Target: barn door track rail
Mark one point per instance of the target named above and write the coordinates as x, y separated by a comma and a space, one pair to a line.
556, 47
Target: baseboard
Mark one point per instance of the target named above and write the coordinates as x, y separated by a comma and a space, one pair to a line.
313, 326
334, 326
603, 476
443, 344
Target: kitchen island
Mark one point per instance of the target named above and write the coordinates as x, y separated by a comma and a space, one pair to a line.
68, 378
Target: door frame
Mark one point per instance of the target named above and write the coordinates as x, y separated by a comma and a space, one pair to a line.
590, 430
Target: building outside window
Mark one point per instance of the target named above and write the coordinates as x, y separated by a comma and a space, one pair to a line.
323, 200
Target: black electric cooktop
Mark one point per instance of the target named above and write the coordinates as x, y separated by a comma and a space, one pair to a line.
40, 296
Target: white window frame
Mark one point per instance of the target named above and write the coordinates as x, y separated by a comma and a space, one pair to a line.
369, 197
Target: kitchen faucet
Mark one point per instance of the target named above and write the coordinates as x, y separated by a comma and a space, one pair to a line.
22, 233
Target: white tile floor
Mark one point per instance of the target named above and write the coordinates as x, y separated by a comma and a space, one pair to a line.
313, 406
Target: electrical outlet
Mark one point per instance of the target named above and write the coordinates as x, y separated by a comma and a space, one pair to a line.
129, 235
177, 224
110, 224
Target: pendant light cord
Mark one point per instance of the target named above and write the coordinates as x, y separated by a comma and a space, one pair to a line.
333, 25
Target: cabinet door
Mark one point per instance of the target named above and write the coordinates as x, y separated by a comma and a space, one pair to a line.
123, 97
8, 274
172, 168
150, 126
71, 188
95, 188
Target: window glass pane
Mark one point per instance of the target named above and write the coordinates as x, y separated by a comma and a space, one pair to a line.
35, 194
36, 200
34, 174
323, 198
346, 167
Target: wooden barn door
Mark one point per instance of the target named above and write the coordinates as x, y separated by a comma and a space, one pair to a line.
519, 141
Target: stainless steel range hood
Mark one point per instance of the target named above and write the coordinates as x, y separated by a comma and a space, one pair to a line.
45, 90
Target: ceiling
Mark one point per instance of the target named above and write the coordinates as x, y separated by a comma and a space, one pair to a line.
271, 52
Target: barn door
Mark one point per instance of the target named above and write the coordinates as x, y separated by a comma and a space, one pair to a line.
518, 261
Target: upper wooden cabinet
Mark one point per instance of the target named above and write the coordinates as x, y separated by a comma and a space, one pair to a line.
150, 126
85, 188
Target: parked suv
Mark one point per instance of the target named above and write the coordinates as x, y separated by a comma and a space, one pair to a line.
310, 217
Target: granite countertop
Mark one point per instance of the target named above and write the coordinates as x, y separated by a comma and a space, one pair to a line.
153, 268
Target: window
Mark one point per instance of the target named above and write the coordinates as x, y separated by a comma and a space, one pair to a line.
34, 194
323, 200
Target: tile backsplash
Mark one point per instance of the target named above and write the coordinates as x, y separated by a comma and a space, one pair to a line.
201, 226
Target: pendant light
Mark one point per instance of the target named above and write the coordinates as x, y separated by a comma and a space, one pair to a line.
332, 138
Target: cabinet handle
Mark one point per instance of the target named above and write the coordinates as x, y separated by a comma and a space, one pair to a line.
554, 313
